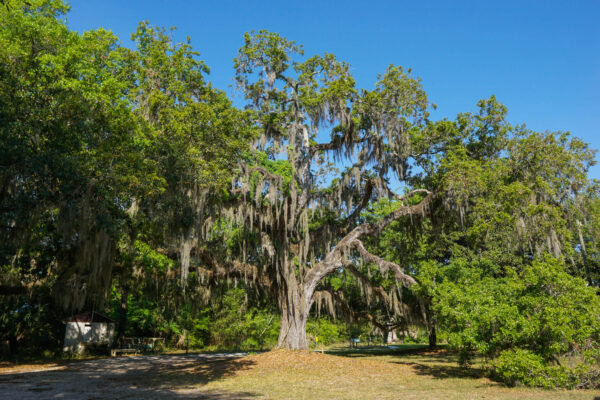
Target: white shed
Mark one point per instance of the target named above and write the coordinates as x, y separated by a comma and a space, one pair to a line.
86, 329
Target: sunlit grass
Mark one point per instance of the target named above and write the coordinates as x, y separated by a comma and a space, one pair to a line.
404, 372
407, 372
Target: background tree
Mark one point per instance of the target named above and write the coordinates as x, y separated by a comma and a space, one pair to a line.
197, 137
507, 282
68, 151
100, 146
193, 137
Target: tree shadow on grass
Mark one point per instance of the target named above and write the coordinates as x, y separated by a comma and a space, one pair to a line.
369, 351
438, 363
164, 377
420, 352
444, 371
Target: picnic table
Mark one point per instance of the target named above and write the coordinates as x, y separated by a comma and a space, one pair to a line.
114, 352
137, 345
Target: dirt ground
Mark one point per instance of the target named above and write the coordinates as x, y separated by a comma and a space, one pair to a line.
137, 377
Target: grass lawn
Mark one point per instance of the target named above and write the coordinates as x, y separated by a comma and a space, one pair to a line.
402, 373
406, 372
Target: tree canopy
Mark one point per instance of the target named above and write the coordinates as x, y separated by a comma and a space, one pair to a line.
129, 183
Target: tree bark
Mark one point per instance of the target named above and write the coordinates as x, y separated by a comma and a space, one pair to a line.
294, 307
432, 337
123, 313
292, 334
386, 334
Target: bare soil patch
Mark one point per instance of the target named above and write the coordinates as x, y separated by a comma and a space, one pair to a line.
139, 377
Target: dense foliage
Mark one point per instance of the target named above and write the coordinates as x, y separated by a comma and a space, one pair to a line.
534, 311
100, 146
130, 185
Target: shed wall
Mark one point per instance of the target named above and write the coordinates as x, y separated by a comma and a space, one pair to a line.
80, 334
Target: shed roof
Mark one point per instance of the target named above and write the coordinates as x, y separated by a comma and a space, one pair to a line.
90, 316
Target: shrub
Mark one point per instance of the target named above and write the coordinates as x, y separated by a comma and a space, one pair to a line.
327, 331
519, 366
525, 317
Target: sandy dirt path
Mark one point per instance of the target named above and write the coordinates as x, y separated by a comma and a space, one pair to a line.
138, 377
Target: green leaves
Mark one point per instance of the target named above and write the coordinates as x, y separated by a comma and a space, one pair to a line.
266, 51
198, 134
536, 307
67, 143
99, 142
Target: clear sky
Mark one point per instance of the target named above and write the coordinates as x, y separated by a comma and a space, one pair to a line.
540, 58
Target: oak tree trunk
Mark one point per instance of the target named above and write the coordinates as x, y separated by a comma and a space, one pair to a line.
432, 337
294, 308
292, 334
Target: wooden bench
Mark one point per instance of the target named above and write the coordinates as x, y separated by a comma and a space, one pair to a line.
114, 352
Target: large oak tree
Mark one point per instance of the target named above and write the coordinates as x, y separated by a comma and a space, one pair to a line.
295, 216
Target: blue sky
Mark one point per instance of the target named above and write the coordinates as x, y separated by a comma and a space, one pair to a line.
540, 58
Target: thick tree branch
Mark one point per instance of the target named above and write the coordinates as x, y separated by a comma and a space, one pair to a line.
325, 146
335, 258
417, 209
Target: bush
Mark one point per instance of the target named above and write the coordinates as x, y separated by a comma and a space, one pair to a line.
525, 317
517, 366
327, 331
234, 325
